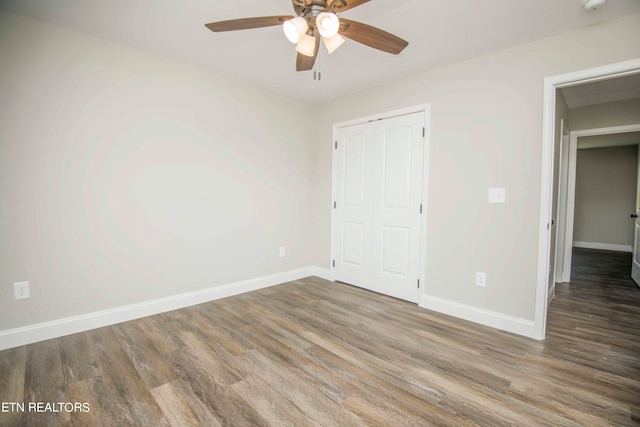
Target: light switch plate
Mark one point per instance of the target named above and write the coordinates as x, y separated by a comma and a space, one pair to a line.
481, 279
497, 195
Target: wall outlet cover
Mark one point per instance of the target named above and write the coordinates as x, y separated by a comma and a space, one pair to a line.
497, 195
21, 290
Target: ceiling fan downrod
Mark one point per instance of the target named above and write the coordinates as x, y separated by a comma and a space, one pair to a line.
308, 8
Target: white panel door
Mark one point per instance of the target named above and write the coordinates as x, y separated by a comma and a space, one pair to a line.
635, 265
397, 195
378, 191
354, 203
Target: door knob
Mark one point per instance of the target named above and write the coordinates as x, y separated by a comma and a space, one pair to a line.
634, 215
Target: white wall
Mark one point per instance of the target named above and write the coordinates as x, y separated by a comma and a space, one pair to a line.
605, 196
618, 113
127, 177
485, 132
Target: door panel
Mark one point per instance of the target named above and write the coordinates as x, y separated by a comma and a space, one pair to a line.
396, 167
353, 243
354, 202
378, 201
354, 170
635, 265
397, 198
395, 251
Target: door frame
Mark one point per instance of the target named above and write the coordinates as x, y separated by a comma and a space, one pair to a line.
551, 84
422, 108
563, 201
571, 193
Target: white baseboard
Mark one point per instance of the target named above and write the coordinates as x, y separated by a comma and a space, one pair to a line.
500, 321
323, 273
603, 246
70, 325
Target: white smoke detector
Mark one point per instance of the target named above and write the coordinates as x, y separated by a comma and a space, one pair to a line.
593, 4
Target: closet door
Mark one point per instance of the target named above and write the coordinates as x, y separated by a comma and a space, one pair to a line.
397, 195
378, 192
354, 204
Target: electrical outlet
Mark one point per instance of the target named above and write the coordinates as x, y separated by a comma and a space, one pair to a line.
21, 290
282, 251
481, 279
497, 195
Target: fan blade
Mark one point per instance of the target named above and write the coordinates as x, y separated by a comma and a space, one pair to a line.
247, 23
304, 62
342, 5
372, 36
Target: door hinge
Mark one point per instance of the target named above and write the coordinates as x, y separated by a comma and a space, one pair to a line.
418, 283
334, 262
336, 145
423, 132
420, 208
334, 205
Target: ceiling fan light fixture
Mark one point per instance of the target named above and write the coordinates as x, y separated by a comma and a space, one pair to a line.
307, 45
328, 24
590, 5
295, 29
332, 43
318, 19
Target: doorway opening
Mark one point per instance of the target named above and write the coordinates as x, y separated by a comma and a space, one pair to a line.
550, 177
603, 229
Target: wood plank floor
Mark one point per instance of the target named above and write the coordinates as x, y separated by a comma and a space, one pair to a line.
317, 353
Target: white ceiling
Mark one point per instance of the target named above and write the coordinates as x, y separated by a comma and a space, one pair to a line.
609, 140
609, 90
439, 32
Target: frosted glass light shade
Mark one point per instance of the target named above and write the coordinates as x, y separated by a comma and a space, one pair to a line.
332, 43
307, 45
328, 24
295, 28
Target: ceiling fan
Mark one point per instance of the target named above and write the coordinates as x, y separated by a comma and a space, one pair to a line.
316, 20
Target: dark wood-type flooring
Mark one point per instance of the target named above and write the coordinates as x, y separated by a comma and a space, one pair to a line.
605, 267
317, 353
